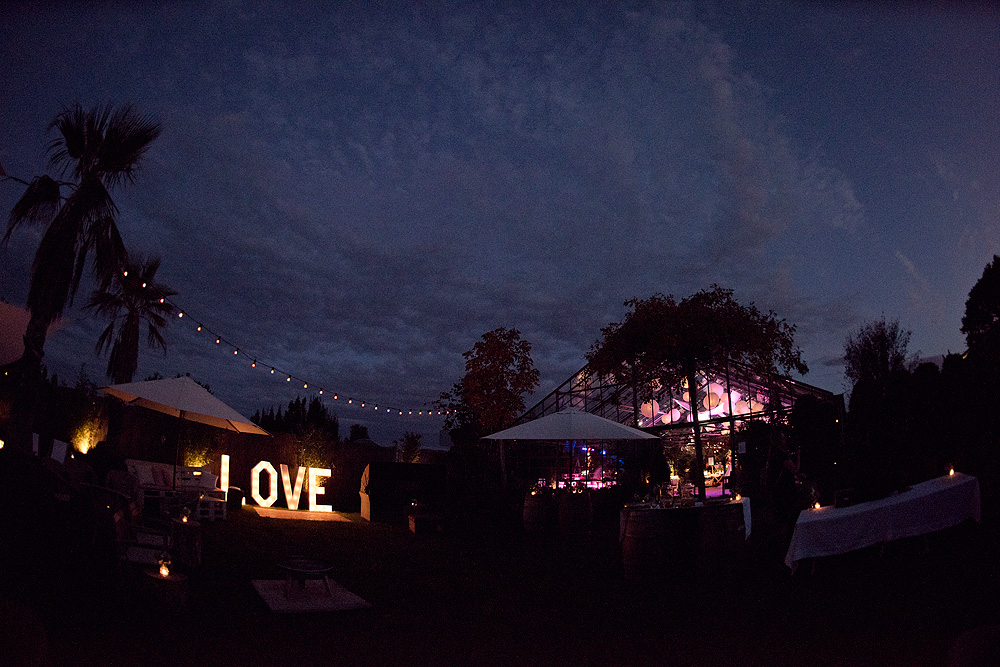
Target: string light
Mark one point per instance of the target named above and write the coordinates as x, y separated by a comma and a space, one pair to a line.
288, 377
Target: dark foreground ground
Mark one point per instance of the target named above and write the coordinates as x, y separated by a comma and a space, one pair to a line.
490, 595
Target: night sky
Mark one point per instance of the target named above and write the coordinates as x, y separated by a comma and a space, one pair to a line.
355, 194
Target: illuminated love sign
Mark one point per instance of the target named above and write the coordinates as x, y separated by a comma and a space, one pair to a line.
292, 492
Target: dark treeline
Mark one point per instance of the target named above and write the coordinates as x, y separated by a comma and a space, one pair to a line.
299, 418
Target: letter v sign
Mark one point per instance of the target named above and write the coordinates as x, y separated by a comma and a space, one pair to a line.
292, 496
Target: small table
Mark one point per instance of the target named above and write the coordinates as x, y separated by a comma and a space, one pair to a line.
299, 569
170, 591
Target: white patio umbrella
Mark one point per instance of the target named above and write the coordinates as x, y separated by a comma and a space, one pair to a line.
185, 399
571, 424
568, 424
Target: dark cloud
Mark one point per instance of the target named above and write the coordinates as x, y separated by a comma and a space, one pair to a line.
357, 193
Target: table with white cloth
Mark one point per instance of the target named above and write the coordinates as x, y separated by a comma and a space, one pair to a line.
923, 508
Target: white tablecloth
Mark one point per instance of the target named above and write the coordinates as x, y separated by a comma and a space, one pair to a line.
926, 507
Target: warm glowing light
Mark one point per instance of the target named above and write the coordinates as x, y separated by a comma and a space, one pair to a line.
164, 562
218, 340
180, 314
816, 506
236, 351
316, 490
320, 392
162, 300
288, 379
184, 518
199, 327
292, 494
305, 385
87, 435
224, 476
1, 444
125, 274
144, 285
951, 472
272, 371
253, 364
738, 497
264, 466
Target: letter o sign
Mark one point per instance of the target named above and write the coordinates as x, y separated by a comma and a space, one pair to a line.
255, 484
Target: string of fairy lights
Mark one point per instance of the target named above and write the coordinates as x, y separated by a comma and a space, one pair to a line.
320, 389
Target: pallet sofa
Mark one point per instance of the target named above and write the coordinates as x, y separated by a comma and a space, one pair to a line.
194, 486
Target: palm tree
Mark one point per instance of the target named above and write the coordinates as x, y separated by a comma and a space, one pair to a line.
133, 297
101, 148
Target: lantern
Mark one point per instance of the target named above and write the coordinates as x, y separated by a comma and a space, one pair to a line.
164, 562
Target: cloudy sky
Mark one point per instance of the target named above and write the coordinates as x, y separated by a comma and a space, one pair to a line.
354, 194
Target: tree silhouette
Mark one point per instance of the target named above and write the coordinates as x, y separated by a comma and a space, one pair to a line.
498, 372
102, 148
357, 432
874, 352
408, 448
981, 322
133, 297
668, 341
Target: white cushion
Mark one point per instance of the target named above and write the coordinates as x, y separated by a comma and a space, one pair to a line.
163, 476
144, 475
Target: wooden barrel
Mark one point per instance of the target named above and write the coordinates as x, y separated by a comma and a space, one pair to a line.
644, 543
576, 512
539, 513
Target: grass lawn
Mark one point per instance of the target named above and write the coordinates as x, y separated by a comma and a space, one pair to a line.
494, 596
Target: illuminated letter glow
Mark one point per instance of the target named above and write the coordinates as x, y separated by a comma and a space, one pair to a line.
255, 484
292, 496
316, 490
224, 476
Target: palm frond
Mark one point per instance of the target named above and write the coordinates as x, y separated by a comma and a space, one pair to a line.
39, 203
126, 139
104, 340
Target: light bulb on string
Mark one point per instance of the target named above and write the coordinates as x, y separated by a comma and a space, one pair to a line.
180, 313
125, 274
288, 379
272, 371
144, 286
305, 385
254, 364
218, 340
320, 392
199, 327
